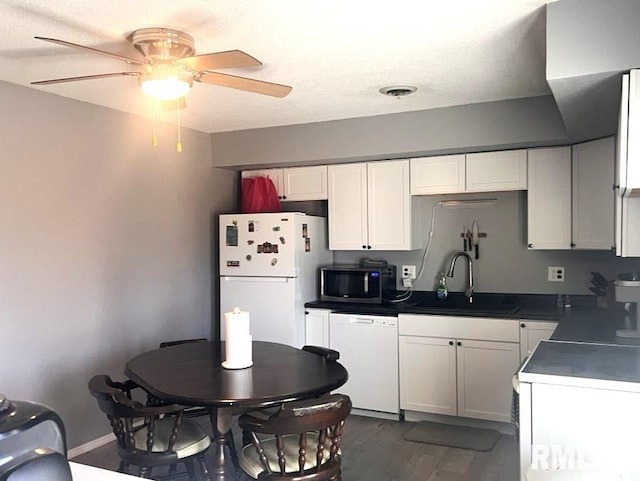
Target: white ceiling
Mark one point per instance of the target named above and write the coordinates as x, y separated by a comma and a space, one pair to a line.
335, 54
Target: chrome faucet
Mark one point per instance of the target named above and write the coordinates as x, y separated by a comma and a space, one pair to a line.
452, 265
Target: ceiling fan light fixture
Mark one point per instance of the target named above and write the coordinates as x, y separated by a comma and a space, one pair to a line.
165, 88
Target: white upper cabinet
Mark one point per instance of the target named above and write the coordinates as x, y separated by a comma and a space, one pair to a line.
497, 171
348, 207
305, 183
549, 198
570, 196
593, 196
444, 174
296, 183
627, 171
370, 207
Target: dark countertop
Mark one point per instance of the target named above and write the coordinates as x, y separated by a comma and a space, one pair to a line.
502, 306
583, 322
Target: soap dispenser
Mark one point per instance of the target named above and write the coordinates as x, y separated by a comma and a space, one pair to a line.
442, 292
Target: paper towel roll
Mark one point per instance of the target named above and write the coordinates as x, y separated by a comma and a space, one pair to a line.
238, 352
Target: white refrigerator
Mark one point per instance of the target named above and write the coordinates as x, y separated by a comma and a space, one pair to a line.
269, 267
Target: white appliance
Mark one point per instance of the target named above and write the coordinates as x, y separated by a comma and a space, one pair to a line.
269, 267
368, 347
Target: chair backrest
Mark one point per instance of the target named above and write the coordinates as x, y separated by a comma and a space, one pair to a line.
114, 399
319, 424
329, 354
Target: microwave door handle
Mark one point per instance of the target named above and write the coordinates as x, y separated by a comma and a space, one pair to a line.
366, 283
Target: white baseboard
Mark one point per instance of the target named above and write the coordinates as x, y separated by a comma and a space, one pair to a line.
91, 445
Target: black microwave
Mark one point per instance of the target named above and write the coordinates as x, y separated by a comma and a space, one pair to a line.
356, 284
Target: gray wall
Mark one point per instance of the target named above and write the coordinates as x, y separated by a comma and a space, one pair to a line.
505, 263
589, 44
105, 246
468, 128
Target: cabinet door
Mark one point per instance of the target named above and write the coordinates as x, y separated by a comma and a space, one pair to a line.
444, 174
305, 183
274, 174
592, 181
389, 206
495, 171
531, 333
427, 374
485, 371
549, 198
347, 207
317, 327
632, 180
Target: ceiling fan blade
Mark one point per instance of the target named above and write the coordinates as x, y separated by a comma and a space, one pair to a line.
92, 50
214, 61
84, 77
242, 83
169, 105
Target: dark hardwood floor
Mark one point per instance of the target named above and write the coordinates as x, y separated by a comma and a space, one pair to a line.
374, 450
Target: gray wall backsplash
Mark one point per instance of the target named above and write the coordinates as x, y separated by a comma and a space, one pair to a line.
505, 263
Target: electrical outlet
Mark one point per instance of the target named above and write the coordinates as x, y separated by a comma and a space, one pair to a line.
409, 272
555, 274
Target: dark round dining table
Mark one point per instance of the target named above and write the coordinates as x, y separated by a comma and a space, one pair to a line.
192, 374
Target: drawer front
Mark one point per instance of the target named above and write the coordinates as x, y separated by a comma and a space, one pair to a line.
481, 328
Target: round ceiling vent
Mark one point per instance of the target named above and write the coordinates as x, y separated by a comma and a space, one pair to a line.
398, 90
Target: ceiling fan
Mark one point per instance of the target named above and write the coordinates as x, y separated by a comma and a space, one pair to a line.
169, 66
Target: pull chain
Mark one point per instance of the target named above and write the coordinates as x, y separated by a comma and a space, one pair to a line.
154, 137
179, 144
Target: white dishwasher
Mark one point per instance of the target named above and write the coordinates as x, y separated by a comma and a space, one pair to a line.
368, 347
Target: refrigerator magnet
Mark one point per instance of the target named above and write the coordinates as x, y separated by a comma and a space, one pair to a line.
305, 231
252, 226
274, 248
307, 244
232, 235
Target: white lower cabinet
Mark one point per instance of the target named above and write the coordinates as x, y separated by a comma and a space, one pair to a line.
433, 359
458, 365
317, 327
484, 372
531, 333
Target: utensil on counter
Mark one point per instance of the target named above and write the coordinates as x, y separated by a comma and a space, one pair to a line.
597, 291
475, 236
599, 280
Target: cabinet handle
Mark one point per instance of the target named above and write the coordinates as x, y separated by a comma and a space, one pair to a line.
451, 343
459, 343
284, 197
280, 197
368, 247
573, 244
530, 246
306, 312
364, 247
523, 325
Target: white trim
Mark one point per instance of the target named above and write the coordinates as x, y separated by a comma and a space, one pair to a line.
89, 446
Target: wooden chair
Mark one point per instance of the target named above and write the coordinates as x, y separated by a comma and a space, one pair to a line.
150, 436
329, 354
299, 443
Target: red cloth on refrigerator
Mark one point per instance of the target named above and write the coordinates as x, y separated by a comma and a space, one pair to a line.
259, 195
